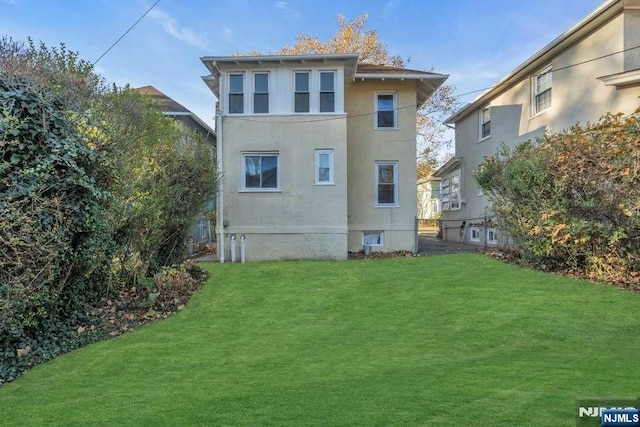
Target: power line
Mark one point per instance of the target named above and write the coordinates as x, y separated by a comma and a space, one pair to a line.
506, 84
125, 33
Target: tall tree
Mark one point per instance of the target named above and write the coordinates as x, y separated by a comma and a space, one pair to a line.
352, 37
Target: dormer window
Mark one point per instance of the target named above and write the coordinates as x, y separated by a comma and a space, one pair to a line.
236, 93
301, 96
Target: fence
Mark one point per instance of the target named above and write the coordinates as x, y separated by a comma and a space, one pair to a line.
429, 225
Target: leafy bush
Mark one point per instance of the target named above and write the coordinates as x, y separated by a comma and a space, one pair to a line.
571, 201
53, 222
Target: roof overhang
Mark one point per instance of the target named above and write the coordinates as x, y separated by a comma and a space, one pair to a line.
543, 57
205, 127
451, 165
427, 83
217, 64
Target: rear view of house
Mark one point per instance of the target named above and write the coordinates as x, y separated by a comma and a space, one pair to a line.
317, 153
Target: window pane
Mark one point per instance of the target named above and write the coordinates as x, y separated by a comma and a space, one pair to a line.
385, 119
326, 82
486, 129
269, 171
260, 103
324, 174
323, 160
302, 103
543, 100
261, 82
252, 172
385, 102
327, 102
385, 174
236, 103
486, 115
372, 238
543, 82
302, 82
236, 83
386, 194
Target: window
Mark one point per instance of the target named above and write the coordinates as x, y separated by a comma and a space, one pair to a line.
301, 96
327, 92
542, 91
260, 171
475, 234
372, 238
260, 93
386, 183
386, 111
485, 123
492, 236
324, 167
450, 193
236, 93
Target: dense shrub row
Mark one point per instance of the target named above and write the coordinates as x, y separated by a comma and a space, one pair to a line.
97, 193
571, 201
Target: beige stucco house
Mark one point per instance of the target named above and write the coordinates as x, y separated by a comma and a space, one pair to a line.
317, 153
591, 69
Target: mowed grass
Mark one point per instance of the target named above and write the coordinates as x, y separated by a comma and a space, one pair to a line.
445, 341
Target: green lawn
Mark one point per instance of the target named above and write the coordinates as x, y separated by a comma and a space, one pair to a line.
446, 340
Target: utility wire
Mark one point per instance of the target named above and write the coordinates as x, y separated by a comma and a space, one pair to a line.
506, 84
125, 33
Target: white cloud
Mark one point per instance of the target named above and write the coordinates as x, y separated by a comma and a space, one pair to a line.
287, 11
171, 26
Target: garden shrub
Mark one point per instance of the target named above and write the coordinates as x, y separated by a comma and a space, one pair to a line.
571, 201
53, 223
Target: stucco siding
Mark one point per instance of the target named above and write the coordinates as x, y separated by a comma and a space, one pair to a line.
301, 219
365, 146
577, 97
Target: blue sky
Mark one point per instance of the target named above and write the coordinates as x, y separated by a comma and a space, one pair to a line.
475, 42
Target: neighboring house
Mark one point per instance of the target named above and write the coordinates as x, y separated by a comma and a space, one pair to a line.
428, 198
590, 70
201, 232
318, 153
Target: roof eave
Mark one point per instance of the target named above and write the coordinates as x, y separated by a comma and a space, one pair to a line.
449, 166
600, 15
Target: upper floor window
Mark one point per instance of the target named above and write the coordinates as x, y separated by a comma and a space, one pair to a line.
324, 167
236, 93
485, 123
542, 91
327, 92
260, 171
386, 117
261, 93
386, 183
301, 95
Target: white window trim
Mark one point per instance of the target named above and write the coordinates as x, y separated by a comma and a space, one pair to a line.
396, 174
446, 182
534, 93
395, 109
317, 167
314, 91
481, 123
243, 172
244, 92
474, 239
495, 234
380, 232
253, 91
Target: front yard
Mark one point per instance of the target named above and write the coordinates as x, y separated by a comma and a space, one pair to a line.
444, 340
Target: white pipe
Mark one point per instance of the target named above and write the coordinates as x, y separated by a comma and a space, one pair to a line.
233, 248
242, 258
220, 198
